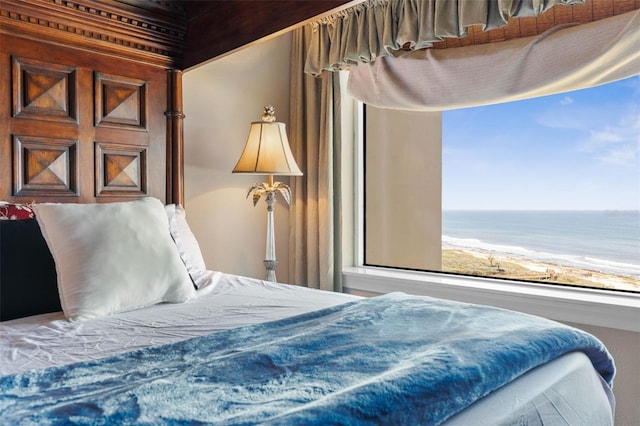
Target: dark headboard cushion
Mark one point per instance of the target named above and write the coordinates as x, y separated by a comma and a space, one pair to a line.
28, 282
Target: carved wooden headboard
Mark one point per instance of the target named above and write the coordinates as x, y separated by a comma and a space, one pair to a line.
90, 103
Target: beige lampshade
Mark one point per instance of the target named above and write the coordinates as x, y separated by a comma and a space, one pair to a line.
267, 151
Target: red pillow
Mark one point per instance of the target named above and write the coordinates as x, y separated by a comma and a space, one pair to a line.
9, 211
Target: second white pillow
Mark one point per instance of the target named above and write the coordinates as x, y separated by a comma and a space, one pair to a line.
188, 246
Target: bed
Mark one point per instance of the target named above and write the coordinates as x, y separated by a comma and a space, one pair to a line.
214, 348
110, 316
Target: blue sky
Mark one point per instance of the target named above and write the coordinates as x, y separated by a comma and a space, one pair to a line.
572, 151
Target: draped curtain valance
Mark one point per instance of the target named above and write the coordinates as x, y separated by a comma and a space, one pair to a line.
563, 59
377, 28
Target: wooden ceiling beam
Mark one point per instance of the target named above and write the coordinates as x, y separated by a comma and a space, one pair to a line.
217, 28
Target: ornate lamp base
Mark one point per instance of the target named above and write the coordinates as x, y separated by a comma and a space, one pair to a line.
270, 189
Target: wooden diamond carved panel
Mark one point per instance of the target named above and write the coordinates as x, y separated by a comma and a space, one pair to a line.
121, 170
44, 91
120, 101
45, 166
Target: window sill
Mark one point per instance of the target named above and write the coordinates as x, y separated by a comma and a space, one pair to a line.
567, 304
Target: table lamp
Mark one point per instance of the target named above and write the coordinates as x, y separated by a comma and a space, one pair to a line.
267, 152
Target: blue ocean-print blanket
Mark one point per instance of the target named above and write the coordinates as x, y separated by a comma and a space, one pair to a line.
393, 359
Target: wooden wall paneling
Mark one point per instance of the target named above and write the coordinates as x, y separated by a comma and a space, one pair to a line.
602, 9
447, 42
512, 29
479, 36
469, 39
623, 6
583, 12
546, 20
528, 26
562, 15
559, 14
496, 35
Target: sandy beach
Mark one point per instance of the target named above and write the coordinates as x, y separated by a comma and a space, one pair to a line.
477, 262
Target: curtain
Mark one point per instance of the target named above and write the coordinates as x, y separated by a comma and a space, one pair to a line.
562, 59
315, 213
377, 28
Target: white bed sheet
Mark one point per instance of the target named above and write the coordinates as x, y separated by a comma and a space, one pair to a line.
228, 301
545, 396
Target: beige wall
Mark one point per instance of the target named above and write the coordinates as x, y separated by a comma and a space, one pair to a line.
403, 178
221, 99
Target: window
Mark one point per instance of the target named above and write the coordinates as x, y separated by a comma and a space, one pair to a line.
543, 190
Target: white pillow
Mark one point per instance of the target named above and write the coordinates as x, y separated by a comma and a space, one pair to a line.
187, 244
113, 257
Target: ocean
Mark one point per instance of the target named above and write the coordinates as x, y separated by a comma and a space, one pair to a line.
605, 241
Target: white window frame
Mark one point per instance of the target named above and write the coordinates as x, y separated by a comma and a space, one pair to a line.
597, 307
